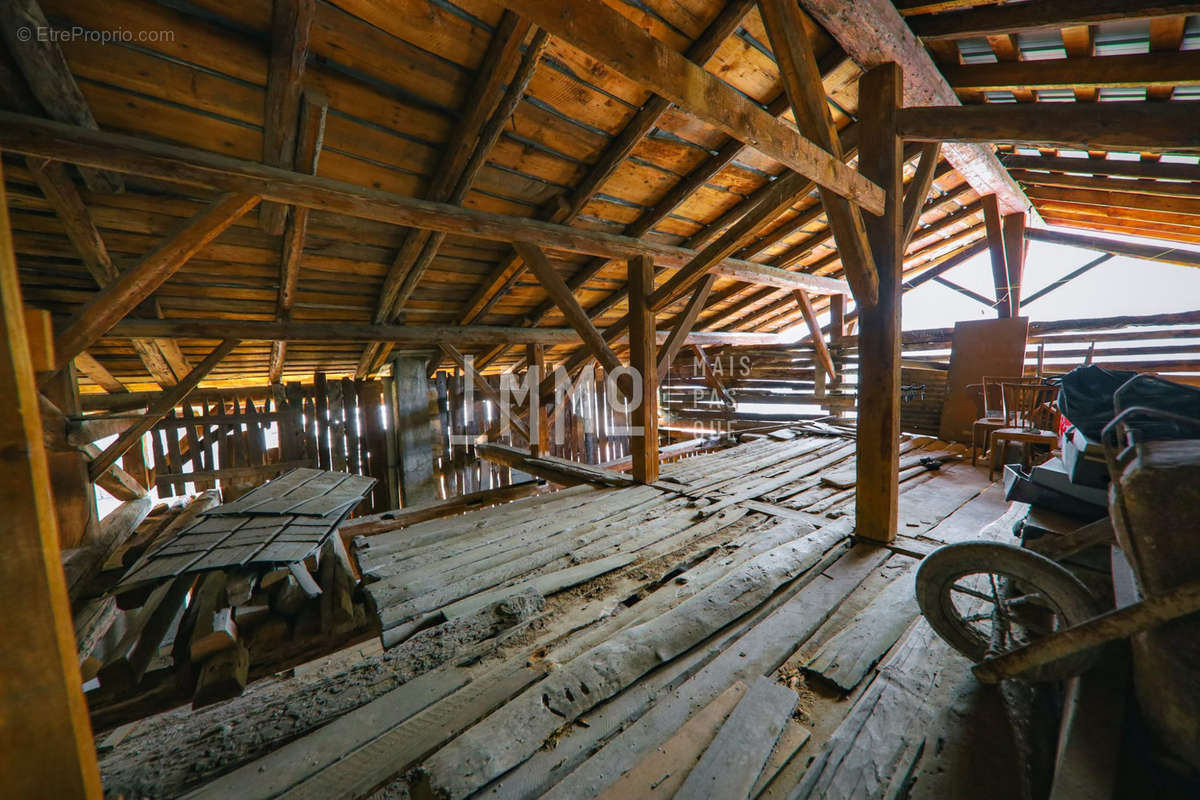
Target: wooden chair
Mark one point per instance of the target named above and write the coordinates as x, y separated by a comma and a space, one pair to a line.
1030, 417
992, 396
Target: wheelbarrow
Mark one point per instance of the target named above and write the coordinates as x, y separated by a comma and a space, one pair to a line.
1019, 613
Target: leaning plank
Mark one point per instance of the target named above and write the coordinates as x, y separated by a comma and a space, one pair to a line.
556, 470
517, 730
123, 295
846, 659
732, 763
32, 136
660, 774
387, 521
117, 526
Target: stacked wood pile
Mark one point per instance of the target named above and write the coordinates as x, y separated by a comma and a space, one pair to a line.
723, 572
155, 637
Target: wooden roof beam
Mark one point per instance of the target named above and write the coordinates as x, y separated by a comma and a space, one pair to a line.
873, 32
206, 328
612, 39
1148, 69
1110, 126
1153, 170
1017, 17
31, 136
291, 26
1152, 252
313, 110
802, 83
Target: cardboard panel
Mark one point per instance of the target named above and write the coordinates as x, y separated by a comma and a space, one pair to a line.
980, 347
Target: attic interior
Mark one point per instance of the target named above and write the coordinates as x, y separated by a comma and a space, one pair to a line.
461, 399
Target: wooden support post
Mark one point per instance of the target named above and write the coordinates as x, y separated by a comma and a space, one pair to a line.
995, 240
643, 359
46, 747
1013, 227
414, 434
878, 441
165, 403
539, 424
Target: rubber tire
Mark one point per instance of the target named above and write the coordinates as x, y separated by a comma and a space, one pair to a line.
947, 564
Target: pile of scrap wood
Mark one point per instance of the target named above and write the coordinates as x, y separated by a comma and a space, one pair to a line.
191, 602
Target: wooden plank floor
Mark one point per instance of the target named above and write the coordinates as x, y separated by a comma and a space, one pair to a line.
711, 519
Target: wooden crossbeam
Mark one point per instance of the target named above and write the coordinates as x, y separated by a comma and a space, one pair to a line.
1152, 252
31, 136
1152, 127
291, 27
643, 359
872, 32
576, 316
1155, 170
1018, 17
802, 84
48, 749
49, 76
458, 335
165, 403
123, 295
604, 34
314, 108
1142, 69
964, 291
505, 275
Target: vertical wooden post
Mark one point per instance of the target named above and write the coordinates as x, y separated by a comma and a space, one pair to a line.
837, 329
46, 745
1014, 259
643, 358
414, 434
878, 444
995, 240
539, 428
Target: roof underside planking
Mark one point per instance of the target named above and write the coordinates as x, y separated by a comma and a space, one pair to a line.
582, 145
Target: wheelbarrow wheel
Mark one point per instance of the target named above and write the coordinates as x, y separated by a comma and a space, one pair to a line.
987, 598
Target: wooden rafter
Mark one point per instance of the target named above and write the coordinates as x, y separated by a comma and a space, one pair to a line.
814, 333
1065, 279
1016, 17
159, 409
45, 68
1149, 69
610, 38
313, 110
291, 27
1114, 126
1167, 255
505, 275
918, 189
683, 325
806, 93
119, 298
712, 378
